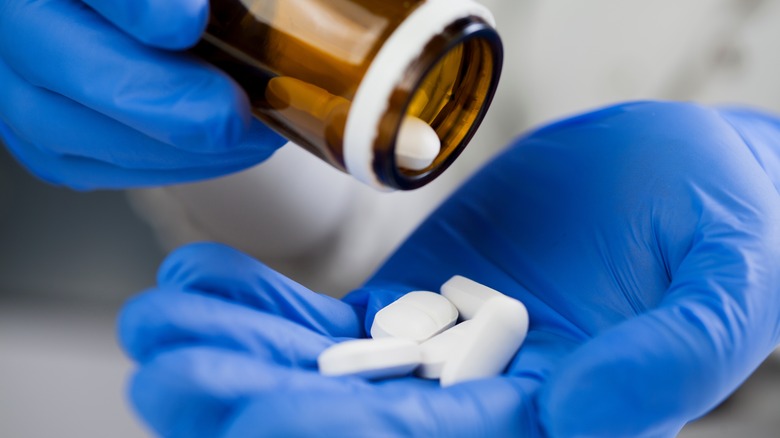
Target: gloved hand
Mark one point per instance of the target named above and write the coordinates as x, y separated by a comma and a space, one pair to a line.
96, 94
644, 240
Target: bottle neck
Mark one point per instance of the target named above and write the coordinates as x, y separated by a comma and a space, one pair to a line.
454, 64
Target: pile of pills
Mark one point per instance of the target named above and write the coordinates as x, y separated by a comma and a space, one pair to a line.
418, 333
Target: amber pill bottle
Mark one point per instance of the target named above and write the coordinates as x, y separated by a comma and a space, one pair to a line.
337, 77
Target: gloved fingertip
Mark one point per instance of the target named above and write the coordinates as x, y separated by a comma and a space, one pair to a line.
231, 123
177, 267
226, 123
211, 115
130, 322
259, 136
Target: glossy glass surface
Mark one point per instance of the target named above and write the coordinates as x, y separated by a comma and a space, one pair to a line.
302, 61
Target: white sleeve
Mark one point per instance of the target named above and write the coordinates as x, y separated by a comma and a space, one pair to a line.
296, 214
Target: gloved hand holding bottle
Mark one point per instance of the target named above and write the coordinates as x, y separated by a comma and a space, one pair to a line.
644, 239
98, 94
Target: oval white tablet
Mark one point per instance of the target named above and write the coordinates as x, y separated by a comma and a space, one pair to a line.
416, 316
491, 341
467, 295
370, 358
417, 144
440, 349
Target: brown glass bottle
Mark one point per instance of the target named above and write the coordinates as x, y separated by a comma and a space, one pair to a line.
337, 77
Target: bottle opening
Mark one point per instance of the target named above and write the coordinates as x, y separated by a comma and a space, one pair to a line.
451, 97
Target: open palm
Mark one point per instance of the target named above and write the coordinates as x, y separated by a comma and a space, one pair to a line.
644, 240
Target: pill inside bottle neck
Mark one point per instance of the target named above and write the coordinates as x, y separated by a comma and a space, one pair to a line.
417, 144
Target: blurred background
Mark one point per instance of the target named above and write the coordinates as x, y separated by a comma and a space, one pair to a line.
68, 260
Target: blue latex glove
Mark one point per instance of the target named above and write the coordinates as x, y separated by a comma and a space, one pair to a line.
643, 238
94, 94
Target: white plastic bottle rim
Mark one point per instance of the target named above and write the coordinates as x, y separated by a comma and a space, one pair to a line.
387, 69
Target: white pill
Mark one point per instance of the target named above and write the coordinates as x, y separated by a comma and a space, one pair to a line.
440, 349
370, 358
416, 316
493, 337
417, 144
467, 295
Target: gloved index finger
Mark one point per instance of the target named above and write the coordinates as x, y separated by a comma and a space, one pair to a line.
219, 270
167, 24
